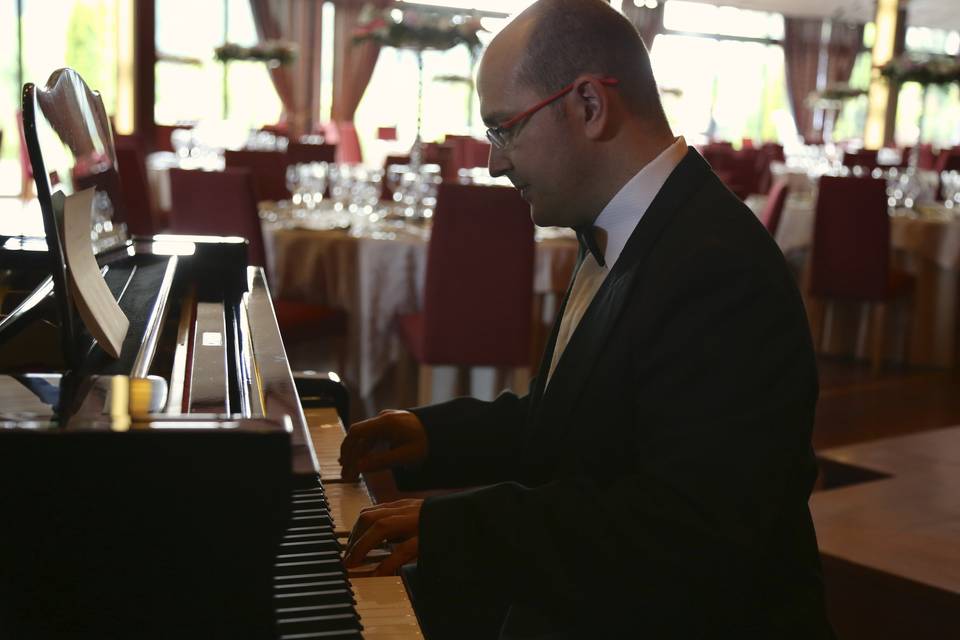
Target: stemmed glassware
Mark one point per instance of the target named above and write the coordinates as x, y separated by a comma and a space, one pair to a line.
950, 183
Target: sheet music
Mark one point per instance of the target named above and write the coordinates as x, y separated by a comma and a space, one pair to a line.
98, 309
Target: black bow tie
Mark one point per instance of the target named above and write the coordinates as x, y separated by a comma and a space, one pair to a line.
588, 240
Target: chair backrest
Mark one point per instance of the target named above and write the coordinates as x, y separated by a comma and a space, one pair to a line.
862, 158
162, 134
773, 208
134, 187
851, 239
298, 152
386, 133
479, 282
927, 158
269, 170
218, 203
948, 160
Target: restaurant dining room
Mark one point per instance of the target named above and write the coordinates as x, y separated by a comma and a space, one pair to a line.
490, 319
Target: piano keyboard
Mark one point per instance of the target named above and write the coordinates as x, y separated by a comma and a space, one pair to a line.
314, 596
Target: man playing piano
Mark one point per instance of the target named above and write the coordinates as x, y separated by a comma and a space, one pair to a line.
654, 481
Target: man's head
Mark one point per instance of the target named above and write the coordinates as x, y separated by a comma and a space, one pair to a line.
571, 159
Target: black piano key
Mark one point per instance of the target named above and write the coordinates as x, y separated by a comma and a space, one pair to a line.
312, 599
312, 596
319, 575
310, 544
310, 584
344, 633
334, 621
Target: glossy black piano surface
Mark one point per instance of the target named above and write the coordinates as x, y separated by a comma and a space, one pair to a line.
169, 527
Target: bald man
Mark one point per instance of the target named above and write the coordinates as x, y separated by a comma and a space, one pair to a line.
654, 481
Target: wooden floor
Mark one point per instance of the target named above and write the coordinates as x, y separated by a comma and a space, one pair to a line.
856, 406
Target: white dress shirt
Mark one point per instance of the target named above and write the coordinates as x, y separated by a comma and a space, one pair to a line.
618, 220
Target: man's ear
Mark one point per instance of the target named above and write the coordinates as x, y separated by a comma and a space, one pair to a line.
594, 106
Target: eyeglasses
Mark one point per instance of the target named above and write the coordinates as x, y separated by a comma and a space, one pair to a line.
499, 136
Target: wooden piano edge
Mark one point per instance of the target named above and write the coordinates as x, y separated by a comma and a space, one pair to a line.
382, 602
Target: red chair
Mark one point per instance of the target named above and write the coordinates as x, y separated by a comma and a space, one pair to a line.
138, 209
866, 158
298, 152
850, 257
773, 208
162, 133
948, 160
223, 203
478, 295
269, 170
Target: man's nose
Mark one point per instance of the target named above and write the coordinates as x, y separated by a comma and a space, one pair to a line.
498, 163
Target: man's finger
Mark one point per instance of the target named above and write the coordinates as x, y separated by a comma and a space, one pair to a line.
389, 528
402, 554
367, 517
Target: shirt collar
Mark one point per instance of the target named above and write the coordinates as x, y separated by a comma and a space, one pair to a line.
621, 215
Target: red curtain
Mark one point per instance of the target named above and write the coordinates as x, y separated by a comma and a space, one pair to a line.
846, 41
801, 53
649, 22
353, 63
298, 22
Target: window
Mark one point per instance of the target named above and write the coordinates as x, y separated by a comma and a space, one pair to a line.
82, 34
450, 102
696, 17
937, 106
9, 100
721, 71
191, 85
727, 89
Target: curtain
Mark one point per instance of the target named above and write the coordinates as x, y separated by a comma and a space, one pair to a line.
801, 53
298, 22
845, 43
353, 63
649, 22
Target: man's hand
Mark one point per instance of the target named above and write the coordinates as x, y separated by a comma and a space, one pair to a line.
402, 433
390, 522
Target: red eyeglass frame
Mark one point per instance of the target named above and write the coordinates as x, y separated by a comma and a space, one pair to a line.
492, 132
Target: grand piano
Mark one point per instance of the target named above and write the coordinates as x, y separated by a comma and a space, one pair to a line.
190, 507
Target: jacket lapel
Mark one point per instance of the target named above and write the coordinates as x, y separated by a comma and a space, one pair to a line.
577, 360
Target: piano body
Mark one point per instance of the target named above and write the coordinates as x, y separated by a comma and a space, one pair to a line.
201, 517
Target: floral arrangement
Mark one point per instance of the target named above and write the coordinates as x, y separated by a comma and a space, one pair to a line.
928, 69
418, 29
273, 52
834, 93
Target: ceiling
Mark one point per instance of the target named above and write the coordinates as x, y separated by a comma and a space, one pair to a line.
939, 14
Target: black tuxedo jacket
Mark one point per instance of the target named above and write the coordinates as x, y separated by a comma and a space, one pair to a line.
658, 486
